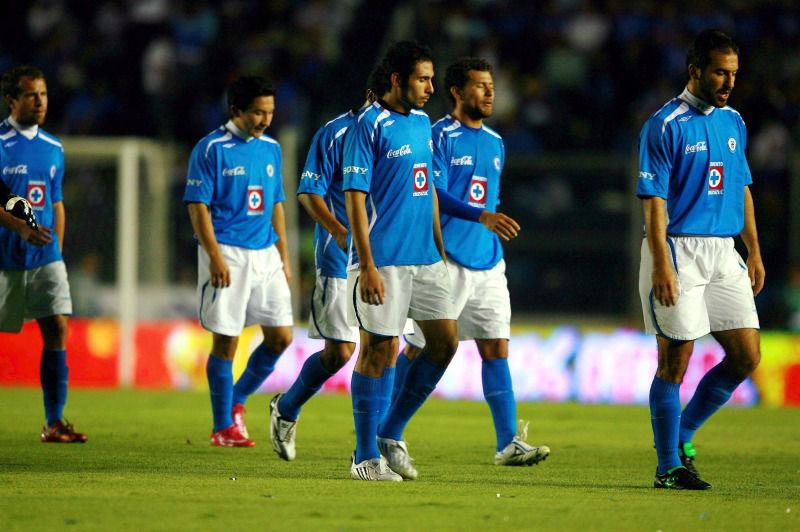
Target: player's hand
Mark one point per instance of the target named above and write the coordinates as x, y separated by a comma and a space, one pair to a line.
665, 286
371, 286
220, 274
287, 271
341, 239
38, 237
19, 207
756, 272
498, 223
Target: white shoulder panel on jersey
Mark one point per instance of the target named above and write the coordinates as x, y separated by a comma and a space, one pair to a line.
442, 119
381, 117
50, 140
337, 135
491, 131
682, 108
455, 125
12, 132
419, 112
348, 113
265, 138
224, 138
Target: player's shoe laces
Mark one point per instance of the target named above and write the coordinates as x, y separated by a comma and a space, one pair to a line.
686, 453
679, 478
374, 469
281, 431
230, 437
62, 432
237, 413
519, 452
396, 454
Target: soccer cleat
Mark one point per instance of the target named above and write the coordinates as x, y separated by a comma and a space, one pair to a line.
679, 478
230, 437
62, 432
374, 469
237, 413
281, 431
519, 452
396, 454
686, 453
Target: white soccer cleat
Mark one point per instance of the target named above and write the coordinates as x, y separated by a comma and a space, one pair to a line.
281, 431
519, 452
396, 454
374, 469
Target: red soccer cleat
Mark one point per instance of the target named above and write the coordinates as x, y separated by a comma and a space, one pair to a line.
62, 432
238, 413
230, 437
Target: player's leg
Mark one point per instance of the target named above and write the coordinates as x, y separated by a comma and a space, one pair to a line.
219, 372
404, 359
262, 362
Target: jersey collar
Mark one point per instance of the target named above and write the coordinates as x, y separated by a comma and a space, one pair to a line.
696, 102
233, 128
29, 132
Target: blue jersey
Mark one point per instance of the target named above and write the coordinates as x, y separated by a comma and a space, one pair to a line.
467, 163
34, 169
322, 175
388, 155
692, 155
240, 181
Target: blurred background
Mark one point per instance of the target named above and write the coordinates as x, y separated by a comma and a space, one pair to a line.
575, 80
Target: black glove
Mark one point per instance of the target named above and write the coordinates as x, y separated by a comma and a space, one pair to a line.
19, 207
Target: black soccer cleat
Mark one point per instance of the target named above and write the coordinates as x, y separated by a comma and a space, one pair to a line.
680, 478
686, 453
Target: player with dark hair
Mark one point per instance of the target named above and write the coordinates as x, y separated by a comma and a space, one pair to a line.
33, 278
320, 193
397, 268
468, 159
694, 182
234, 194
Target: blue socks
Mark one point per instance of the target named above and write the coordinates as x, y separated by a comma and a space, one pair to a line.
665, 415
400, 370
387, 392
259, 367
714, 390
367, 401
499, 395
311, 378
421, 379
53, 377
220, 386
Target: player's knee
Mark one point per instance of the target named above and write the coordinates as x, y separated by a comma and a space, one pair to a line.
743, 364
54, 331
335, 356
278, 343
442, 350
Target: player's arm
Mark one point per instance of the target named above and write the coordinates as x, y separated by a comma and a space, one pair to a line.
502, 225
60, 218
37, 237
749, 234
315, 206
437, 226
665, 286
370, 284
279, 224
204, 229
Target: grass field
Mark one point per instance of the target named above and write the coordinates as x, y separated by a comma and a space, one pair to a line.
148, 466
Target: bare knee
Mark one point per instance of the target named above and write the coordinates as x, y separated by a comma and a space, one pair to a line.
277, 339
742, 364
336, 355
411, 352
441, 350
54, 331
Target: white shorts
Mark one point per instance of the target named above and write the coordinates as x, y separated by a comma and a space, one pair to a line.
482, 302
714, 292
32, 294
258, 293
328, 319
416, 292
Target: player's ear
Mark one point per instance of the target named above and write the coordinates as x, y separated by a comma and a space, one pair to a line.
456, 93
694, 72
395, 78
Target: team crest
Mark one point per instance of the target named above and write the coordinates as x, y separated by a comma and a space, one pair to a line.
732, 144
497, 163
270, 170
255, 200
477, 192
36, 194
420, 178
715, 179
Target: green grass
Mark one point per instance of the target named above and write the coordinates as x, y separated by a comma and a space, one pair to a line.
148, 466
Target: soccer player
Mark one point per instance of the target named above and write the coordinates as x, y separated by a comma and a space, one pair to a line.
398, 269
234, 194
694, 184
33, 278
320, 193
468, 160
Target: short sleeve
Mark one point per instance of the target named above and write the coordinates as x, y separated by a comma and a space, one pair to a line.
358, 156
200, 176
655, 165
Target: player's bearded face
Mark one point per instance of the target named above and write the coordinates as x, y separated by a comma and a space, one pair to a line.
419, 86
478, 95
30, 107
257, 117
716, 80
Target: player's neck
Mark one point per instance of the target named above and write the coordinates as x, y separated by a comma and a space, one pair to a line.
462, 117
394, 103
28, 131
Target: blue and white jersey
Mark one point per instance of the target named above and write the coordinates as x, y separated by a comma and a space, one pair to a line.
322, 175
32, 165
240, 180
692, 155
467, 163
388, 155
